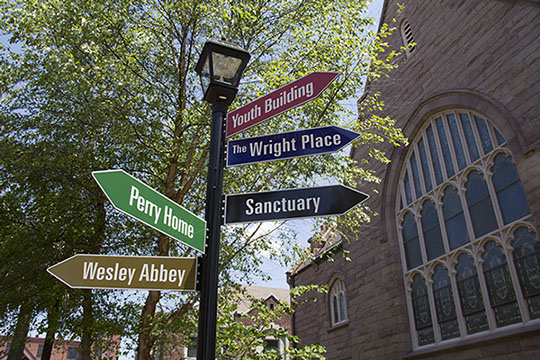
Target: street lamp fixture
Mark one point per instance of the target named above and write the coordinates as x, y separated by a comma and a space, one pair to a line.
220, 68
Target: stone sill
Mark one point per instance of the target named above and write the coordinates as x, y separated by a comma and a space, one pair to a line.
338, 326
473, 340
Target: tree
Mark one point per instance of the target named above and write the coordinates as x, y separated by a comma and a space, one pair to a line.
243, 336
114, 81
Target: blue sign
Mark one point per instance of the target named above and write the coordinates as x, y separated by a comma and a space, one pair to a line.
288, 145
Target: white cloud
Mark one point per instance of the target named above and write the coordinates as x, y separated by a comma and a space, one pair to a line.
268, 232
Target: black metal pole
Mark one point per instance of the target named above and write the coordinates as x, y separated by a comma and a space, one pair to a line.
206, 342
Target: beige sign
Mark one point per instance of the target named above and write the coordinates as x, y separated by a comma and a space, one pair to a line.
127, 272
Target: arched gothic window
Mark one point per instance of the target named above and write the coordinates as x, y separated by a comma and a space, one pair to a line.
470, 252
338, 303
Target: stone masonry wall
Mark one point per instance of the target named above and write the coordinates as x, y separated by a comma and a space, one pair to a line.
486, 53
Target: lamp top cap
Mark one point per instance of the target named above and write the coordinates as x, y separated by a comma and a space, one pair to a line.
222, 47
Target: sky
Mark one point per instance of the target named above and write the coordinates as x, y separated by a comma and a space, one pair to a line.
275, 270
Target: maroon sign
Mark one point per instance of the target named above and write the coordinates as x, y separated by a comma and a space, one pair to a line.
285, 98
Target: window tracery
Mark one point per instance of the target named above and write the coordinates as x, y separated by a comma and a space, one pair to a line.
470, 252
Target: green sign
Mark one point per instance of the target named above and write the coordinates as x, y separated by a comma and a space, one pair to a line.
127, 272
145, 204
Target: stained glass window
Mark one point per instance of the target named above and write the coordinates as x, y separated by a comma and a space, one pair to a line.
483, 131
342, 306
512, 200
416, 177
454, 219
480, 205
456, 139
449, 164
431, 231
500, 139
469, 136
422, 312
454, 199
338, 303
425, 166
444, 304
434, 154
411, 241
501, 290
336, 308
407, 185
470, 295
527, 260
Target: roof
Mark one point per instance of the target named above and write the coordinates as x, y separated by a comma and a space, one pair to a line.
322, 243
261, 292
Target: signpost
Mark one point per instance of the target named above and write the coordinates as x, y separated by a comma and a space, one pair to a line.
153, 209
288, 145
146, 205
127, 272
291, 204
285, 98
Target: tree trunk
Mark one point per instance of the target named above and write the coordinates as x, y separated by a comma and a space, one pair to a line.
48, 345
16, 349
87, 340
52, 325
146, 340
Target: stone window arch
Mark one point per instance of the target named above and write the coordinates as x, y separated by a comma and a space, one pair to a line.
470, 253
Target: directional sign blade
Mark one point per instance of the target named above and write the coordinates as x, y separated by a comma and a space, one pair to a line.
145, 204
278, 101
127, 272
291, 204
288, 145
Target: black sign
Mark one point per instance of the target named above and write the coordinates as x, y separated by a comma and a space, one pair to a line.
291, 204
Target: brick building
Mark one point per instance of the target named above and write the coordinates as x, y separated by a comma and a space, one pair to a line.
271, 297
187, 349
62, 349
449, 269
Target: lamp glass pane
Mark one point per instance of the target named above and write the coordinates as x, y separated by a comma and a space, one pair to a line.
205, 75
226, 69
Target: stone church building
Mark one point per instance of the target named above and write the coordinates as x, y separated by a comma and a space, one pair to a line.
449, 269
